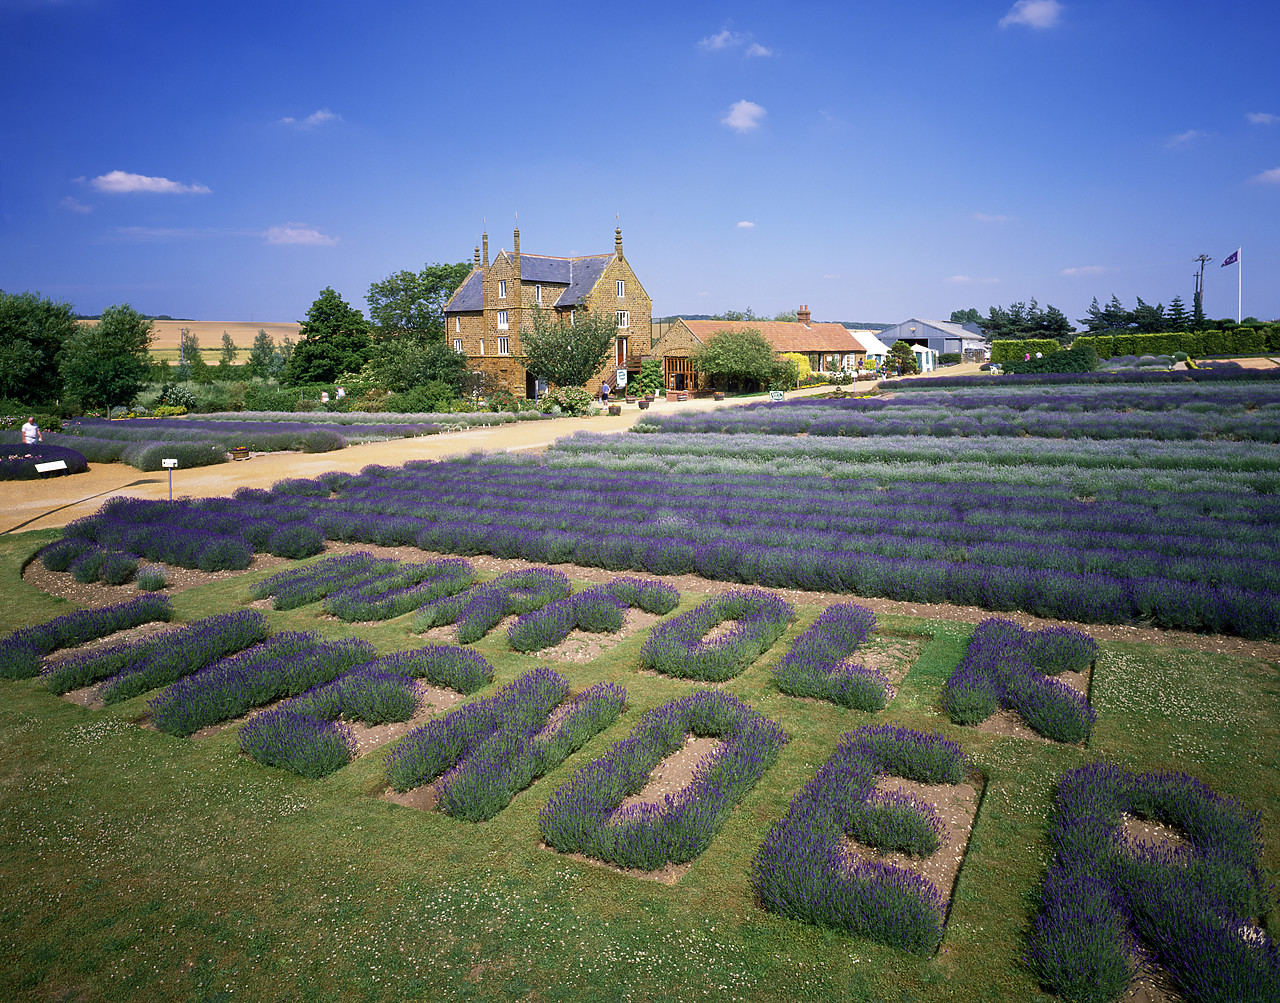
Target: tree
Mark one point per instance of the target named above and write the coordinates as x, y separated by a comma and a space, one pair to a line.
412, 303
229, 350
1149, 319
335, 340
191, 364
401, 364
107, 363
788, 316
739, 356
33, 330
262, 356
969, 316
569, 355
901, 356
736, 315
1177, 317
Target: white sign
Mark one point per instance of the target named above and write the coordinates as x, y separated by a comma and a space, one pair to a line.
622, 377
777, 395
169, 463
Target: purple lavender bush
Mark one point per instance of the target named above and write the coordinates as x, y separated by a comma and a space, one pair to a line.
814, 667
21, 651
1190, 907
678, 648
803, 870
482, 607
1005, 666
404, 588
583, 815
600, 610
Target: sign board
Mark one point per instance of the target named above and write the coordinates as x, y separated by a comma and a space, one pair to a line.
777, 395
169, 463
622, 377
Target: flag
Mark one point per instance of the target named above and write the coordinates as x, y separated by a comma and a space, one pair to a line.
1232, 258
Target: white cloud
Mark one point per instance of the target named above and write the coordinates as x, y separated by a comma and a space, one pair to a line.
72, 204
298, 233
962, 280
985, 217
724, 40
746, 224
1033, 14
121, 182
1185, 138
744, 116
162, 233
1271, 177
756, 49
1262, 118
1085, 270
316, 118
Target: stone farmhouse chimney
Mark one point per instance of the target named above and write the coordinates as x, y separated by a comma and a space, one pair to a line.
516, 251
484, 237
803, 315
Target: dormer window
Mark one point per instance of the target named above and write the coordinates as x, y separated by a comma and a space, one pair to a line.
502, 289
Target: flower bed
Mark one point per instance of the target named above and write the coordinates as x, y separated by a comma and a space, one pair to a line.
405, 588
482, 607
300, 586
597, 610
285, 665
815, 665
1007, 666
138, 666
491, 749
679, 648
18, 460
21, 651
803, 869
1191, 906
580, 816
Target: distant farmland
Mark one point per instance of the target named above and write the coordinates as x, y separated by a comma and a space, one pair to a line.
168, 332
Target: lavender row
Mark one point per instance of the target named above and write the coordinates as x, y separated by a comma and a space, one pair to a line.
255, 436
816, 665
1229, 373
1110, 397
1124, 461
999, 420
599, 610
137, 666
1190, 906
296, 587
680, 647
285, 665
406, 588
585, 815
410, 419
305, 735
482, 607
804, 870
21, 651
1007, 666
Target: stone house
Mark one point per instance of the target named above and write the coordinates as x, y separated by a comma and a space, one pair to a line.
485, 317
829, 347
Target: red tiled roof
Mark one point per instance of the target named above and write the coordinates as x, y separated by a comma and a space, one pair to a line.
784, 336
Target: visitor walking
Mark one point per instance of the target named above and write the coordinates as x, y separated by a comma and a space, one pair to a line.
31, 433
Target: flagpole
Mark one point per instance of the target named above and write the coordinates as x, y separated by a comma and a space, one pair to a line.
1239, 282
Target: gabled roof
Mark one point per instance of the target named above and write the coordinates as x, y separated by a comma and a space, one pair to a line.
784, 336
579, 276
870, 343
944, 326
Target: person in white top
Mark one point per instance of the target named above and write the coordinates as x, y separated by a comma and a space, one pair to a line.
31, 433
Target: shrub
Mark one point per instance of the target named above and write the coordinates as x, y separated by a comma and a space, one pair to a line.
801, 870
597, 610
815, 665
152, 578
583, 817
296, 540
18, 461
118, 568
20, 652
60, 554
678, 648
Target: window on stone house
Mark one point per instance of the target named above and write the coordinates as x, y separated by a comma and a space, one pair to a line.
624, 318
457, 345
537, 295
622, 288
622, 353
482, 346
502, 289
502, 320
457, 325
504, 346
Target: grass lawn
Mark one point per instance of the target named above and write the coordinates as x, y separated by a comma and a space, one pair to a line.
136, 865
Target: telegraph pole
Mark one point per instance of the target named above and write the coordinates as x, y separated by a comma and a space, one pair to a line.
1197, 310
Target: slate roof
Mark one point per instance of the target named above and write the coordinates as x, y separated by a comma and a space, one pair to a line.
578, 275
784, 336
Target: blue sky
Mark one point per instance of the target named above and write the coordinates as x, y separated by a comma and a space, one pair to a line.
875, 161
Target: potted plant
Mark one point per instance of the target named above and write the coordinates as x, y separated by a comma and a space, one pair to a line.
615, 409
644, 403
719, 395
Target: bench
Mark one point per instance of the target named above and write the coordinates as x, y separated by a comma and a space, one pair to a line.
240, 453
51, 466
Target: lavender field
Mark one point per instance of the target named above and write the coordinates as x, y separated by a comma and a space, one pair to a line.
264, 859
